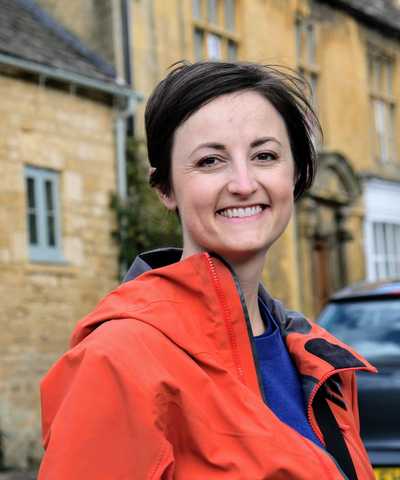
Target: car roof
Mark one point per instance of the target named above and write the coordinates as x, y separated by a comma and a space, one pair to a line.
358, 291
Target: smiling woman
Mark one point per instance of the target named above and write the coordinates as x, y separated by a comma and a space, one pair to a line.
190, 370
235, 192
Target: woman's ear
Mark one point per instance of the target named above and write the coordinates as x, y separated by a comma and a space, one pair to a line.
168, 200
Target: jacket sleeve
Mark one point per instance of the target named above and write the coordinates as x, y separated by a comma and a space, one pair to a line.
98, 423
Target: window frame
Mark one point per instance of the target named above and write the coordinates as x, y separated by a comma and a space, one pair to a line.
43, 250
209, 31
385, 256
382, 215
306, 63
381, 69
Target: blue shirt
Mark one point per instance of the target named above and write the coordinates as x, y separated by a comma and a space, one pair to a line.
280, 379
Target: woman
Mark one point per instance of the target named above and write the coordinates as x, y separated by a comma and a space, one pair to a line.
190, 370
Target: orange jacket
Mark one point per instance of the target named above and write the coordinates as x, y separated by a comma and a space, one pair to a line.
161, 383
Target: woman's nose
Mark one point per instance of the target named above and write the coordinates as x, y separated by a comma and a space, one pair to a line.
242, 182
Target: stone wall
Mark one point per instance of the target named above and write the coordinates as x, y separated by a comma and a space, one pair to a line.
39, 302
162, 33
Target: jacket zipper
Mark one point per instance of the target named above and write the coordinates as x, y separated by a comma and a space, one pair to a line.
226, 316
309, 408
233, 343
317, 387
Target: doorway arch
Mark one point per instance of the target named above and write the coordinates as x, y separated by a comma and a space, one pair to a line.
323, 232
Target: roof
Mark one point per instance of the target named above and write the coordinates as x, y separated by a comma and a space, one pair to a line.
28, 33
363, 290
383, 15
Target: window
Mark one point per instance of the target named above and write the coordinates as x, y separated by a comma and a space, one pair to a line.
381, 79
386, 252
382, 229
214, 34
306, 53
43, 221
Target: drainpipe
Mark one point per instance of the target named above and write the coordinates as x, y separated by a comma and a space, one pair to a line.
123, 114
124, 124
126, 30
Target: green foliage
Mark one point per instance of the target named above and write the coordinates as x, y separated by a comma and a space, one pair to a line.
143, 223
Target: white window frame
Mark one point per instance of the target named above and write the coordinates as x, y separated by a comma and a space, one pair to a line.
382, 215
43, 250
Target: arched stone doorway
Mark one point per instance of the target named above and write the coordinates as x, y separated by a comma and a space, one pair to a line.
323, 233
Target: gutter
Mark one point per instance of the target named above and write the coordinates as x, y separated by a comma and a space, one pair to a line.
67, 76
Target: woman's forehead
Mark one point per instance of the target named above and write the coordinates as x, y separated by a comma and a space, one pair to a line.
245, 115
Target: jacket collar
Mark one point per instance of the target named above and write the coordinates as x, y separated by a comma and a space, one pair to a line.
316, 353
151, 260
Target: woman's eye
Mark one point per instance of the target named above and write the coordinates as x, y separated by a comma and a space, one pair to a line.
208, 162
266, 156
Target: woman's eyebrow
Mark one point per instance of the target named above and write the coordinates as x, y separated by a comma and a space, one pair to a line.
262, 140
220, 146
214, 145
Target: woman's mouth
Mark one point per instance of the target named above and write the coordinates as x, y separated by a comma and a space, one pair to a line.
241, 212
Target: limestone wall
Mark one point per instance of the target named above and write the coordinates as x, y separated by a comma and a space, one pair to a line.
40, 303
163, 34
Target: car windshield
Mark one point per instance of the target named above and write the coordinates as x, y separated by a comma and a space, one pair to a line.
372, 327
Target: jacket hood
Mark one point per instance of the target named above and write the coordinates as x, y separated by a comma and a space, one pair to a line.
158, 288
143, 287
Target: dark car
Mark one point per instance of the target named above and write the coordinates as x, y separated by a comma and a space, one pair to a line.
367, 317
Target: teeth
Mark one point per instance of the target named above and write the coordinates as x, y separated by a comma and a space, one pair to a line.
240, 212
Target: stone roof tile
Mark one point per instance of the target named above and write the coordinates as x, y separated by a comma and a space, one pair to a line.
382, 14
27, 32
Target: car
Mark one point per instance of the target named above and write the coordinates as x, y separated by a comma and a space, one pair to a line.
366, 316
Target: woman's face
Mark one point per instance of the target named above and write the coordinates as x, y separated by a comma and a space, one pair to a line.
232, 177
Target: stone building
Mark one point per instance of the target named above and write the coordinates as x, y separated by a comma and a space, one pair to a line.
348, 228
345, 230
60, 113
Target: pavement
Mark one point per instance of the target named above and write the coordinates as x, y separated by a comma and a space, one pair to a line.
17, 476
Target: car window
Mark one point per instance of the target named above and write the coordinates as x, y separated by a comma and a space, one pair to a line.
372, 327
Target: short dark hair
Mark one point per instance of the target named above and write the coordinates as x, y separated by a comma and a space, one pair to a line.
189, 86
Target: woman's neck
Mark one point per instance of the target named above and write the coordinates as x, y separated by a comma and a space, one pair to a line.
249, 274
